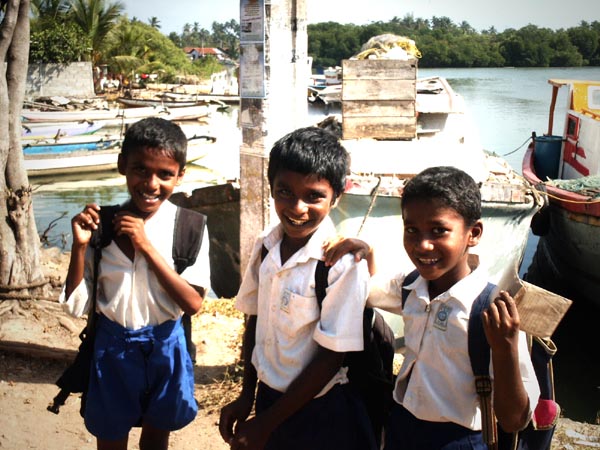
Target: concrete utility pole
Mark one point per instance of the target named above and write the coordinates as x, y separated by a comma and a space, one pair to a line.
273, 100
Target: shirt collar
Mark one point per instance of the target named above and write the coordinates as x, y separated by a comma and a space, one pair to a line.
313, 248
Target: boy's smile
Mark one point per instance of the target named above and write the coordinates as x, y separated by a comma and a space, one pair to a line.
301, 202
437, 239
151, 175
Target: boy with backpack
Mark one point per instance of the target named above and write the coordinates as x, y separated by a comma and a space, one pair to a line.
436, 401
141, 373
294, 348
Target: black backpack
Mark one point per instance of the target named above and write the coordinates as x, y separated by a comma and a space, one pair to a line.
370, 371
536, 436
187, 239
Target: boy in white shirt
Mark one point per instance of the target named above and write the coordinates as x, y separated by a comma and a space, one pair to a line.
293, 349
141, 372
436, 405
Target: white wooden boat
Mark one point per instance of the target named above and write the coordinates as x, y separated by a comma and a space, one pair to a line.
58, 130
71, 159
442, 134
156, 102
567, 167
91, 115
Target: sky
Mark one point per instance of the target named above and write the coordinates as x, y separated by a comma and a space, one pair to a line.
481, 14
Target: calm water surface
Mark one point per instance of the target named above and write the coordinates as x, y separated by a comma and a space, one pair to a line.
507, 106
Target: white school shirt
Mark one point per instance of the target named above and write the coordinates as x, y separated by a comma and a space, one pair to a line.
441, 386
289, 321
129, 292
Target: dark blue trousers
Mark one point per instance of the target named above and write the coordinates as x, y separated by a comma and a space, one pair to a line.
406, 432
336, 420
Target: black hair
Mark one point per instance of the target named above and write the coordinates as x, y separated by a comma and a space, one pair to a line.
311, 150
453, 187
157, 134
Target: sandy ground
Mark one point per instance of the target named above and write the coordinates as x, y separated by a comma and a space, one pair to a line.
27, 379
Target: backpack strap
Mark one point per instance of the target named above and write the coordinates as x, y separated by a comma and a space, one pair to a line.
321, 282
479, 354
187, 237
409, 279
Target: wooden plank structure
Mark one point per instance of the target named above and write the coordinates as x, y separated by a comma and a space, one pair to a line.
378, 99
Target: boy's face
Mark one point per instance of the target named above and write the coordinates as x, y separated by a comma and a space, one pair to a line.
151, 176
437, 239
301, 202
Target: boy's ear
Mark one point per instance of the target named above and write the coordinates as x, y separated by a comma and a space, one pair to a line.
476, 233
180, 176
121, 164
335, 201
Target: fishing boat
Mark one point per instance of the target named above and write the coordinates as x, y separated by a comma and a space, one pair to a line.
92, 115
144, 102
567, 167
58, 130
421, 123
87, 157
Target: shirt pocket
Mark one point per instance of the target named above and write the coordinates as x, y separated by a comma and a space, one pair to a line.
295, 313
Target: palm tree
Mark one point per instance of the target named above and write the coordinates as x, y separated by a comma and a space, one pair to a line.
154, 22
49, 9
96, 18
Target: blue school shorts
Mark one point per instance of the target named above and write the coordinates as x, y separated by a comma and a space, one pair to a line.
405, 432
334, 420
141, 376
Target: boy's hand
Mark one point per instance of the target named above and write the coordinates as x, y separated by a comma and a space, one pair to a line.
336, 248
128, 224
84, 223
251, 435
501, 323
232, 415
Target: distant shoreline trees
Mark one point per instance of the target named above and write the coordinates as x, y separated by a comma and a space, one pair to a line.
446, 44
131, 45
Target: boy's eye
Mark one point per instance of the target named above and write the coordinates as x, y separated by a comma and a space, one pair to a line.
410, 230
438, 231
283, 193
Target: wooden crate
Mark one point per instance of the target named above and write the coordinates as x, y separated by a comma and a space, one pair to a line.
378, 99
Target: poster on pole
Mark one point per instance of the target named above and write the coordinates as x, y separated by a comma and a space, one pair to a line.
252, 70
252, 20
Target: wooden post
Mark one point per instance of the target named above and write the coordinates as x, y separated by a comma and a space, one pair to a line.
266, 118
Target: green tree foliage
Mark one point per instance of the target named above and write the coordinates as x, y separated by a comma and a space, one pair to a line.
59, 42
134, 47
445, 44
96, 18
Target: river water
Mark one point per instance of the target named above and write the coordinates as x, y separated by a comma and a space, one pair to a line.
507, 104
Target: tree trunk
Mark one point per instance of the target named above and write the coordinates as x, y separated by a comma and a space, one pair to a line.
20, 271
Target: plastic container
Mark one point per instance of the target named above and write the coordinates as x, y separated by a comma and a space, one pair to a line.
546, 157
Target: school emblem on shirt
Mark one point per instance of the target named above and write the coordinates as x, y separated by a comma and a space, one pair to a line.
441, 317
285, 302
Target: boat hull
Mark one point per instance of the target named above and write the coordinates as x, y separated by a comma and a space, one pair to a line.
567, 256
95, 161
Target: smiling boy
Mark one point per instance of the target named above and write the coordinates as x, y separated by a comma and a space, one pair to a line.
141, 373
293, 349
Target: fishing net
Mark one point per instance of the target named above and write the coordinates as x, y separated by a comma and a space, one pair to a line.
588, 186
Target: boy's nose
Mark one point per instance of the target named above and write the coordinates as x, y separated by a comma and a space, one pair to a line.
299, 205
152, 181
426, 244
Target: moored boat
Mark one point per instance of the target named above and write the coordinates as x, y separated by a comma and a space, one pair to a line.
567, 167
86, 157
58, 130
439, 132
91, 115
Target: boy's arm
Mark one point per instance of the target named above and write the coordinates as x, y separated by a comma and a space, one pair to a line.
82, 226
501, 326
302, 390
183, 293
239, 410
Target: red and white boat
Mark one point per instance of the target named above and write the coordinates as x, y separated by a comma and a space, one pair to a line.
567, 168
